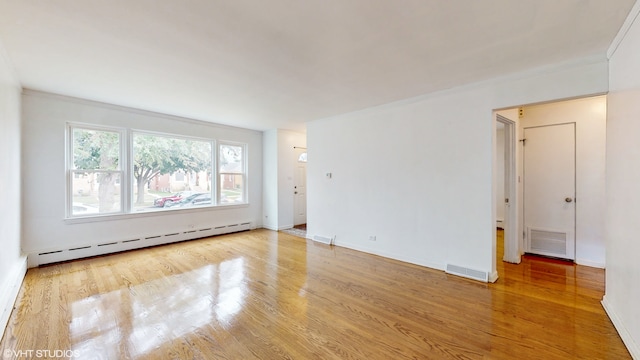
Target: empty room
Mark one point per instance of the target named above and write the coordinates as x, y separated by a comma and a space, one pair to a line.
319, 179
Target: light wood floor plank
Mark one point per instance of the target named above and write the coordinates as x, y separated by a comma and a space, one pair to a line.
270, 295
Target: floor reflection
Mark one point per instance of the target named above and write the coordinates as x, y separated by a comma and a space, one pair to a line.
159, 310
269, 295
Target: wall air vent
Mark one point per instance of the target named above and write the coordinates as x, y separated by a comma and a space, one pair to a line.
468, 273
322, 239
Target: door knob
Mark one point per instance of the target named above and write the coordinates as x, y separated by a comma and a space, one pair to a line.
568, 199
295, 192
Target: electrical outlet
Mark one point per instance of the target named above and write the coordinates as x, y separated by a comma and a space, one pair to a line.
372, 238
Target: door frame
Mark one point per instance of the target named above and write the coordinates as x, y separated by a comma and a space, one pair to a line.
512, 243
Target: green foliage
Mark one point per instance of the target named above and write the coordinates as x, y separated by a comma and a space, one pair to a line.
95, 150
152, 155
98, 150
157, 155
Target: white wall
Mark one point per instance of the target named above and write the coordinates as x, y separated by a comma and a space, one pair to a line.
589, 115
418, 174
12, 263
622, 294
270, 179
279, 166
43, 159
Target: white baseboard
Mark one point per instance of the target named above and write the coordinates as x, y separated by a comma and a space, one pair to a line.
627, 339
493, 277
278, 228
326, 240
391, 255
9, 292
590, 263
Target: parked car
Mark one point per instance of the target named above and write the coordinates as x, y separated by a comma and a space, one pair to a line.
195, 200
202, 199
184, 201
170, 200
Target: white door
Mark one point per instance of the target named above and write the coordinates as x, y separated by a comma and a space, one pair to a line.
300, 189
549, 190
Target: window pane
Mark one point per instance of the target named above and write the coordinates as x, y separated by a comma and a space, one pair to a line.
167, 171
95, 149
231, 159
231, 188
95, 193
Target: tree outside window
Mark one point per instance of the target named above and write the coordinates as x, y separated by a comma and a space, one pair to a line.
160, 172
95, 172
169, 169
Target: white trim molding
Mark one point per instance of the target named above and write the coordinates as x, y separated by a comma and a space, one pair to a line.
9, 292
631, 18
626, 337
590, 263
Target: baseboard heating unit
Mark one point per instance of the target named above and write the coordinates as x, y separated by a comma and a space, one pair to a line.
79, 252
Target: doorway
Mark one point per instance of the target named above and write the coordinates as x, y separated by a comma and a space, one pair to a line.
506, 189
300, 188
583, 238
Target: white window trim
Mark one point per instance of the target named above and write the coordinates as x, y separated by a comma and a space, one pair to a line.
125, 163
70, 169
245, 176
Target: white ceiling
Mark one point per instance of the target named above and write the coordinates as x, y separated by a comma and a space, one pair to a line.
264, 64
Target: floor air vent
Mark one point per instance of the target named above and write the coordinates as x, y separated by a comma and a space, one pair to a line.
322, 239
468, 273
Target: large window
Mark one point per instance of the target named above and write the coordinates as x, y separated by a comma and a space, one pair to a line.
115, 171
95, 172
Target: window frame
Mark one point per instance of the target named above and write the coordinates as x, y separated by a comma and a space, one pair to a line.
125, 171
244, 167
71, 171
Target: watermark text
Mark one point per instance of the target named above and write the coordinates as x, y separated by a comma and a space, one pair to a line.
40, 354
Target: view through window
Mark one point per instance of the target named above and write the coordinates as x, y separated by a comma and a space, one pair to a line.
232, 174
96, 174
170, 172
164, 172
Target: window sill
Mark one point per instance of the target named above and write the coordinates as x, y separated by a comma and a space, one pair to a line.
112, 217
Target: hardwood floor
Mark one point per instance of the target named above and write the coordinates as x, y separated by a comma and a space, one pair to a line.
270, 295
